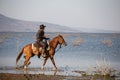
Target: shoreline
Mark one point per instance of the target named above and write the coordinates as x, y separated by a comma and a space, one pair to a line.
13, 76
48, 74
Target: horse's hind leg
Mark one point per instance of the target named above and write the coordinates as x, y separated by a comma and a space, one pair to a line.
26, 62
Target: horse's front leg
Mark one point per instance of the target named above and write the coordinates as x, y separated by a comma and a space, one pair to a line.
45, 60
52, 59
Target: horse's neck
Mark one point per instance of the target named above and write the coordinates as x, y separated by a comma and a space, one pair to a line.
54, 43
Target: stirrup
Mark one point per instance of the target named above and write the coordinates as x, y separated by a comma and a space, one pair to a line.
44, 55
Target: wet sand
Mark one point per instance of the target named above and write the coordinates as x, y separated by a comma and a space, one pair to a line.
11, 73
12, 76
37, 74
8, 76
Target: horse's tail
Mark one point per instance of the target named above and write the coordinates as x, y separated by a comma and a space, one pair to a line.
19, 55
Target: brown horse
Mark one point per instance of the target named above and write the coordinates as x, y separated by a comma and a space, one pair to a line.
29, 52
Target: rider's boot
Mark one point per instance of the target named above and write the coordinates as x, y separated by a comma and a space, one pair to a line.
39, 55
44, 53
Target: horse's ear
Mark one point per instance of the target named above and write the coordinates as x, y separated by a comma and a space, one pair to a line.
60, 35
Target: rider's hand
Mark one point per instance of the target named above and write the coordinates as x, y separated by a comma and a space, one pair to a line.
47, 38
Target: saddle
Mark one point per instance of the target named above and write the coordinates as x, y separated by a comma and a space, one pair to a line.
37, 47
37, 44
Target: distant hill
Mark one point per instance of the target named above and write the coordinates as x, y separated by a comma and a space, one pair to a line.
93, 30
14, 25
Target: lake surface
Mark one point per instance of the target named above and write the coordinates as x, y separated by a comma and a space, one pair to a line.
84, 50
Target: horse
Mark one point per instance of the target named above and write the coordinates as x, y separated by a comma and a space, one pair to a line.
29, 52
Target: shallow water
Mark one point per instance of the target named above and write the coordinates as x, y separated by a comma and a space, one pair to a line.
46, 71
84, 50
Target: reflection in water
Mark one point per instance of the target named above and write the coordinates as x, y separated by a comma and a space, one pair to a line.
47, 71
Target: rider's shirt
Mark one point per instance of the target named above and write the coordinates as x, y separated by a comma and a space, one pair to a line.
40, 35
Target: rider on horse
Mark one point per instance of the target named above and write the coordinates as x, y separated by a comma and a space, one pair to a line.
42, 40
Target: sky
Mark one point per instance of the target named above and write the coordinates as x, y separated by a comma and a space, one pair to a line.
89, 14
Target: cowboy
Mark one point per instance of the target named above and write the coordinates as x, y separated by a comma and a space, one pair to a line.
42, 39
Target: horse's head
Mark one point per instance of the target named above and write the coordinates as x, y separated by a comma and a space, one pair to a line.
61, 40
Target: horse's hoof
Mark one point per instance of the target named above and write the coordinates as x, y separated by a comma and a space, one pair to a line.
54, 69
17, 67
42, 68
21, 67
25, 67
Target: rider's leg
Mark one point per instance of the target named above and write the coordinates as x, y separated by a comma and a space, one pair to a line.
44, 49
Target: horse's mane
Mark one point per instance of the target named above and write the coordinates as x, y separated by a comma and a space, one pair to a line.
53, 40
